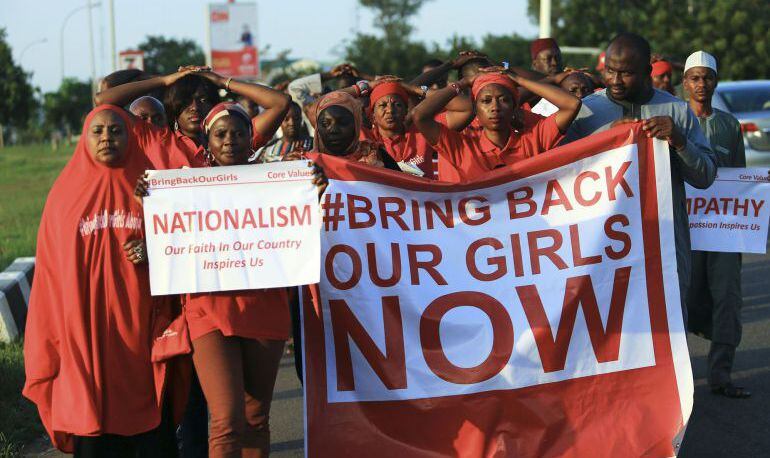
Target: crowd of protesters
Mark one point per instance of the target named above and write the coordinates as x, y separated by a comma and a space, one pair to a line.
101, 387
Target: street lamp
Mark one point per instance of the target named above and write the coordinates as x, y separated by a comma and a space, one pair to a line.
64, 25
36, 42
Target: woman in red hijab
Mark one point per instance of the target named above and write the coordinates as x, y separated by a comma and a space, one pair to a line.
339, 120
464, 157
87, 352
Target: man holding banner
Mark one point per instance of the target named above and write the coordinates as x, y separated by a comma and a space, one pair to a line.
714, 300
630, 97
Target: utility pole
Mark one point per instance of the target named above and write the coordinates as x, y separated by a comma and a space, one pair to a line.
113, 47
545, 18
91, 47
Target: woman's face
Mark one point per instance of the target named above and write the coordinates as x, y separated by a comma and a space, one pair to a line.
578, 85
229, 141
495, 107
189, 119
337, 129
389, 113
107, 138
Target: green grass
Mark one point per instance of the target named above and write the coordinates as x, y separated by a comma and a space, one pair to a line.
26, 175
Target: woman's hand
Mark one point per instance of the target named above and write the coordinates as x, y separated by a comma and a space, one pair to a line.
319, 179
218, 80
140, 190
136, 251
183, 71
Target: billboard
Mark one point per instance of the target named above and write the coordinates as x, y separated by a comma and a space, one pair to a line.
232, 39
130, 58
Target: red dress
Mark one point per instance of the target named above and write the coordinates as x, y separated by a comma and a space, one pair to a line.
87, 351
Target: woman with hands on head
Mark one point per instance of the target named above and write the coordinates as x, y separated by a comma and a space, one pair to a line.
465, 157
237, 336
191, 92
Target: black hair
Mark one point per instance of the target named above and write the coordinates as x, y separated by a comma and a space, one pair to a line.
433, 63
637, 43
180, 94
123, 76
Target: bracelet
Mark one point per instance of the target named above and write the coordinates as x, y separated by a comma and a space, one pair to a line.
227, 84
357, 89
424, 90
457, 88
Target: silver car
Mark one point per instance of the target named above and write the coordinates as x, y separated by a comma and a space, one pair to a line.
749, 102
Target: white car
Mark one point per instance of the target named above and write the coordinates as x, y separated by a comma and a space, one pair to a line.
749, 102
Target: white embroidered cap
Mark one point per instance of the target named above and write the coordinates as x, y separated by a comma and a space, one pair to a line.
701, 59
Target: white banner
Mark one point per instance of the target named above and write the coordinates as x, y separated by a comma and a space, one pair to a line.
231, 228
732, 215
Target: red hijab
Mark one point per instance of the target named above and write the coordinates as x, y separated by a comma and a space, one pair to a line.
88, 336
359, 150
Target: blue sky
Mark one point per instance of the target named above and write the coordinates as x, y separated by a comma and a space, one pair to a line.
310, 28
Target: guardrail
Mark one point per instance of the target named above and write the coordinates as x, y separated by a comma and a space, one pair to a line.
15, 284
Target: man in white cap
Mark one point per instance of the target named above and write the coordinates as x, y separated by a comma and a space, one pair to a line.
631, 96
714, 300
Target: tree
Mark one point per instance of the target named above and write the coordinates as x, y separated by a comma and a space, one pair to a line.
393, 52
17, 102
66, 108
735, 31
164, 55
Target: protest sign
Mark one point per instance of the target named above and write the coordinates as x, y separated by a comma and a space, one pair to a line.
533, 313
732, 214
231, 228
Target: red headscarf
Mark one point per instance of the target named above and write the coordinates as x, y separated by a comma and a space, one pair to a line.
88, 335
486, 79
383, 89
661, 67
359, 150
221, 110
541, 44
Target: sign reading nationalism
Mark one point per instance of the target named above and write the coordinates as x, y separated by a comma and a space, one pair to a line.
232, 228
533, 313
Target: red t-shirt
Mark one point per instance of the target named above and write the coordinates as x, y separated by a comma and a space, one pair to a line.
168, 149
411, 147
465, 157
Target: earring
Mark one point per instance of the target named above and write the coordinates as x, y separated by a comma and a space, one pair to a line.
176, 125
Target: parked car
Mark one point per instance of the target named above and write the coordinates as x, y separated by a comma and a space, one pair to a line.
749, 102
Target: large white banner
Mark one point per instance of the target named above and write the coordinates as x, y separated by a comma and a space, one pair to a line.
539, 302
732, 214
231, 228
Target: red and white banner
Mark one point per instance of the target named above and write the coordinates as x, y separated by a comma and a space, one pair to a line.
232, 228
233, 39
131, 59
731, 215
535, 313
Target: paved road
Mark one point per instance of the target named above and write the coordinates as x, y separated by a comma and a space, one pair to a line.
719, 427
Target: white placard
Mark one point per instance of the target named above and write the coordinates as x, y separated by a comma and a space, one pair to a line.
732, 214
232, 228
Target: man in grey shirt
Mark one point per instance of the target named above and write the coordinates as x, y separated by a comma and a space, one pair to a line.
630, 96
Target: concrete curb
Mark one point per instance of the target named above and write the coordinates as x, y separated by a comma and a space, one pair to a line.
15, 283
